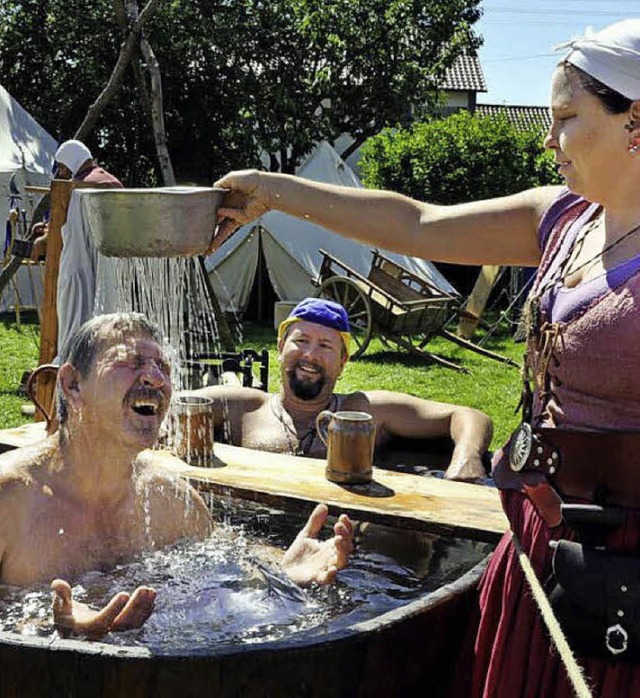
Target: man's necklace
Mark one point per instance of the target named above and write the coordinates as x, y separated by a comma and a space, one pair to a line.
308, 436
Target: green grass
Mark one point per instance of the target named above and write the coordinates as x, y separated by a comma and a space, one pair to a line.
490, 386
18, 353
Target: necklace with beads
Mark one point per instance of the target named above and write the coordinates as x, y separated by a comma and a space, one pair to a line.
304, 440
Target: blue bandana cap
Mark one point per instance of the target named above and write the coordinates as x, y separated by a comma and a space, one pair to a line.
323, 312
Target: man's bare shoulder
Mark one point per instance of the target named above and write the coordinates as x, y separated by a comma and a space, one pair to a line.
19, 468
175, 507
149, 470
247, 398
22, 486
156, 480
353, 401
363, 399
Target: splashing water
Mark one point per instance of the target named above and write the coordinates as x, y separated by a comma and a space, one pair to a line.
173, 293
217, 593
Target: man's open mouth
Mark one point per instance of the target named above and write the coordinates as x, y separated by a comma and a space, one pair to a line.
309, 369
146, 407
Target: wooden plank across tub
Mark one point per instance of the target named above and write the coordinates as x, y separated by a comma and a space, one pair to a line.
396, 499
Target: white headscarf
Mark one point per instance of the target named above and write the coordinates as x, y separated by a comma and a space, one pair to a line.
73, 154
611, 56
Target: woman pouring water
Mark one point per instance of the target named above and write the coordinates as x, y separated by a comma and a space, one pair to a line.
579, 442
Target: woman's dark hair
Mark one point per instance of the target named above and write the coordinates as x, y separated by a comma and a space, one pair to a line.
613, 101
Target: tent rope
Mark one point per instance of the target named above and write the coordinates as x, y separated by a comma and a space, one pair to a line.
504, 314
574, 671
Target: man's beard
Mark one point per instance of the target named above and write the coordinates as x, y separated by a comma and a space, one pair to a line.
306, 390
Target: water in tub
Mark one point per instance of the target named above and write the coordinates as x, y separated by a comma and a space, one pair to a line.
219, 592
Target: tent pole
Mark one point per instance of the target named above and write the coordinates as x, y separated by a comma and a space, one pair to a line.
260, 276
224, 331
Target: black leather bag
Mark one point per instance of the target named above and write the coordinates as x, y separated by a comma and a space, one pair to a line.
596, 599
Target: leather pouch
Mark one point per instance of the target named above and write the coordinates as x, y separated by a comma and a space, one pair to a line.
596, 599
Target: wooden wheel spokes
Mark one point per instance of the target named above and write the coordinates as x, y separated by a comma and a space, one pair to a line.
346, 292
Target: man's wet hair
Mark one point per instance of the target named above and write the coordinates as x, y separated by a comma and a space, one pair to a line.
83, 345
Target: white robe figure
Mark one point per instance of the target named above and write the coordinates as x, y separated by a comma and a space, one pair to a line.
86, 280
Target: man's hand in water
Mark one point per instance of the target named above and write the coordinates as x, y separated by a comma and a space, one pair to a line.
124, 611
311, 560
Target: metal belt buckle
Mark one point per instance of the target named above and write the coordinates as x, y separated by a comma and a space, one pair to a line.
520, 447
617, 639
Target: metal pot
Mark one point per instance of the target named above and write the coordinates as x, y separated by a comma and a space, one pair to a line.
156, 222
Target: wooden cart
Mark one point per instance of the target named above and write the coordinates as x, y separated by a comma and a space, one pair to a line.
395, 304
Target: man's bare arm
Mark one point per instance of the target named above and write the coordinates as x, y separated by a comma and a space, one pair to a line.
470, 429
229, 402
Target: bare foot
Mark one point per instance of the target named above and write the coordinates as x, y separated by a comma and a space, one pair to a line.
124, 611
310, 560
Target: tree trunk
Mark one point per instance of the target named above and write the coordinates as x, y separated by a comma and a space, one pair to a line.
127, 51
157, 113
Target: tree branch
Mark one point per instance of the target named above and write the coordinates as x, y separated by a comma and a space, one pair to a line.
157, 113
127, 51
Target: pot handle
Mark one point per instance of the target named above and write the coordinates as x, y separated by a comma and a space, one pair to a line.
322, 421
31, 391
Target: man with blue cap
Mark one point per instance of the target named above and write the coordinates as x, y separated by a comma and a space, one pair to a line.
314, 346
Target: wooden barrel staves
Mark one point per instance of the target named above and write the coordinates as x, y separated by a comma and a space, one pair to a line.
410, 651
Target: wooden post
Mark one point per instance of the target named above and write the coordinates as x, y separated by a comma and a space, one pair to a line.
60, 194
477, 301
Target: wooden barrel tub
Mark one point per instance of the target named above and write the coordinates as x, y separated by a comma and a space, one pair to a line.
409, 651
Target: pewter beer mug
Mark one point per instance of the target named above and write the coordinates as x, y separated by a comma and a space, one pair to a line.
350, 440
192, 427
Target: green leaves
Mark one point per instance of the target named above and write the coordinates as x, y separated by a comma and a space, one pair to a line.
458, 158
240, 77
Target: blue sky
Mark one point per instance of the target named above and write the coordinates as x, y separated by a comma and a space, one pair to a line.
517, 56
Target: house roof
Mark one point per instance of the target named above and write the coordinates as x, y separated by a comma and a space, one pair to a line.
521, 116
465, 74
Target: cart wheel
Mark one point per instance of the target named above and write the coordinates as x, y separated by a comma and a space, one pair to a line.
346, 292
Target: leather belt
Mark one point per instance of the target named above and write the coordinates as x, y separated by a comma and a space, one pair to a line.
603, 467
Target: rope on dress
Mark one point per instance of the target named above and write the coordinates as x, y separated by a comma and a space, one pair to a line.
574, 671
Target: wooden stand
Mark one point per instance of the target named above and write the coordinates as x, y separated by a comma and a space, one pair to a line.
61, 191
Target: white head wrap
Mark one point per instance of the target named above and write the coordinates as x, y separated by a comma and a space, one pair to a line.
73, 154
611, 56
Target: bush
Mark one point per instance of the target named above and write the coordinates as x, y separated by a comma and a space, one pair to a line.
458, 158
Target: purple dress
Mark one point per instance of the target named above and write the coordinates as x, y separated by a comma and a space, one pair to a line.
594, 384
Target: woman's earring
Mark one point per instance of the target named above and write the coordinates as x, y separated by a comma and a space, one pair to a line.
634, 141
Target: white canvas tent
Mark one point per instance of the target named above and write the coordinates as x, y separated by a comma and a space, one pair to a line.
26, 151
291, 247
